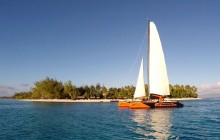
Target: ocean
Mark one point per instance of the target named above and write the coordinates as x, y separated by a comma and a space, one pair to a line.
20, 120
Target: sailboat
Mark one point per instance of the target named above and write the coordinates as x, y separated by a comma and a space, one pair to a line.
158, 83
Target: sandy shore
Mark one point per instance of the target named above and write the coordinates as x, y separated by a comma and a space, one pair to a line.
93, 100
67, 100
182, 99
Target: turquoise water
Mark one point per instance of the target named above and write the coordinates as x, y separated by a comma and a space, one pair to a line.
19, 120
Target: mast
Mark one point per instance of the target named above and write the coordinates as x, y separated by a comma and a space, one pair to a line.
148, 73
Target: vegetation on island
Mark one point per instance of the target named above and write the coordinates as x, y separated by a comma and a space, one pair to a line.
52, 89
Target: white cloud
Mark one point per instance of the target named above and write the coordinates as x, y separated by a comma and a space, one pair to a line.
7, 90
25, 85
213, 88
10, 90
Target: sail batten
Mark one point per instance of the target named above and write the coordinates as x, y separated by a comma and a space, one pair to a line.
140, 87
157, 73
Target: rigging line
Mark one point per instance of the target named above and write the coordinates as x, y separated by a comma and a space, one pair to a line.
140, 48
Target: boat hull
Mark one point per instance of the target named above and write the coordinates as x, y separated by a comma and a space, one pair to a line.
164, 104
138, 105
150, 104
123, 104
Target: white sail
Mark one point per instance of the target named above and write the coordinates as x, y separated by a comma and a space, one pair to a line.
140, 87
158, 79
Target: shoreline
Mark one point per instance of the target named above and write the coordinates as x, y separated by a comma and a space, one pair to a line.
67, 100
95, 100
182, 99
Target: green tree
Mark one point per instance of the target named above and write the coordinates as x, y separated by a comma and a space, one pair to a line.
86, 95
70, 90
104, 91
22, 95
87, 92
193, 92
98, 91
48, 89
188, 91
112, 93
81, 91
92, 91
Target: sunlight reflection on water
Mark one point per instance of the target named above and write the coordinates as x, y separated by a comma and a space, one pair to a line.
153, 124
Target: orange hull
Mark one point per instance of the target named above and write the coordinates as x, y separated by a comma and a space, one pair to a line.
138, 105
123, 104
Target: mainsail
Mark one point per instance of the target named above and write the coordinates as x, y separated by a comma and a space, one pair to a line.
140, 87
157, 73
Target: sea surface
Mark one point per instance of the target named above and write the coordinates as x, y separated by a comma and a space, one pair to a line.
20, 120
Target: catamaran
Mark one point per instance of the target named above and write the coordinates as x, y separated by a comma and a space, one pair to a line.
158, 83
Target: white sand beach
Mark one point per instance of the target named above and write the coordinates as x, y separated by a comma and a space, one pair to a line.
182, 99
67, 100
95, 100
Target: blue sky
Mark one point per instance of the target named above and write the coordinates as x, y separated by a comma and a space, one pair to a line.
97, 41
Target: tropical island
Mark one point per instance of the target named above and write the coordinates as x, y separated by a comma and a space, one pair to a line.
50, 88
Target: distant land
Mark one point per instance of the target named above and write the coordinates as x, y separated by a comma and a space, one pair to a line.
52, 89
209, 95
5, 97
210, 90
